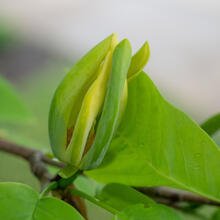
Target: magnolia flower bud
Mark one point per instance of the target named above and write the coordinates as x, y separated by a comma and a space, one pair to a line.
89, 103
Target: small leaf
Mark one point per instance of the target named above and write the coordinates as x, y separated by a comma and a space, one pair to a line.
120, 196
20, 202
12, 108
157, 144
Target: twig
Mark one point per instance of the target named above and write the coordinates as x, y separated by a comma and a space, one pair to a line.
39, 169
176, 196
38, 160
25, 152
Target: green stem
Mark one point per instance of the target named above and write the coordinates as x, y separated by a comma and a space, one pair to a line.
60, 183
63, 183
51, 186
95, 201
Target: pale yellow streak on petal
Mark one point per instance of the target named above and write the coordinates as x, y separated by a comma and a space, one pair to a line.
90, 108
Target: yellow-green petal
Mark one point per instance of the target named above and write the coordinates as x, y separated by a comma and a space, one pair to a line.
69, 95
110, 112
139, 60
91, 107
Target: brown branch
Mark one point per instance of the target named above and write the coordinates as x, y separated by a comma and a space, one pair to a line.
38, 160
39, 168
175, 196
25, 152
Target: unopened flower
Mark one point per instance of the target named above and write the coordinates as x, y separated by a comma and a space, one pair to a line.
90, 101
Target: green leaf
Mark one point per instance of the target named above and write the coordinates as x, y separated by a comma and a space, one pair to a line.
21, 202
12, 108
133, 205
157, 144
128, 204
107, 123
120, 196
156, 212
55, 209
212, 125
17, 201
87, 185
216, 215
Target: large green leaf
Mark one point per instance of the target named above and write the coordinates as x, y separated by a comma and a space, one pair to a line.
133, 205
12, 108
20, 202
157, 144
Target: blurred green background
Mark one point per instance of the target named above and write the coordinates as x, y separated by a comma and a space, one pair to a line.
35, 68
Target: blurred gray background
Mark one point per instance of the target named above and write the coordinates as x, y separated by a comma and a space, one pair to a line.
184, 37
